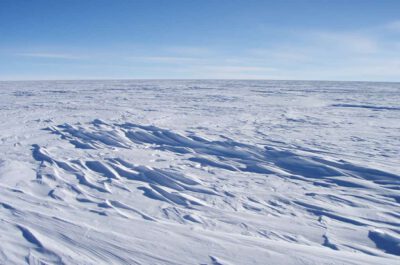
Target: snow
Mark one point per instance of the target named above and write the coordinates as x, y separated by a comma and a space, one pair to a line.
199, 172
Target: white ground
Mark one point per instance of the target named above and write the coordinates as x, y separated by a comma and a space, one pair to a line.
199, 172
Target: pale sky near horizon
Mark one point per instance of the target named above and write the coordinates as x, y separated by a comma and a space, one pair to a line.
220, 39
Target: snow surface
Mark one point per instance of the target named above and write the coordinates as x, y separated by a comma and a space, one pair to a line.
199, 172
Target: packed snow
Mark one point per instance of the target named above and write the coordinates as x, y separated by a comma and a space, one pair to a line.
199, 172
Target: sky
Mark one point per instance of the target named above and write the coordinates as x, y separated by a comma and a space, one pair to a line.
191, 39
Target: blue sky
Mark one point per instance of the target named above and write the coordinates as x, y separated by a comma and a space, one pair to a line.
111, 39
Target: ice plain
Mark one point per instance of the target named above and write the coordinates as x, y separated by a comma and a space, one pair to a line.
199, 172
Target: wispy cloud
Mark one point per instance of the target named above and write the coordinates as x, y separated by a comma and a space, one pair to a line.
353, 42
238, 69
284, 53
45, 55
394, 25
166, 59
232, 72
194, 51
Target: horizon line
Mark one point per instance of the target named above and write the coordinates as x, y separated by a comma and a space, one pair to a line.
188, 79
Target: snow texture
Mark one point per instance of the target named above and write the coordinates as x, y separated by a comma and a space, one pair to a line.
199, 172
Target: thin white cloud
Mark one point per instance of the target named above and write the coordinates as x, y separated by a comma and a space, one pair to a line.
394, 25
345, 41
238, 69
189, 51
233, 72
165, 59
50, 55
282, 54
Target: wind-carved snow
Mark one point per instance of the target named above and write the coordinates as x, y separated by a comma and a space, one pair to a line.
102, 186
